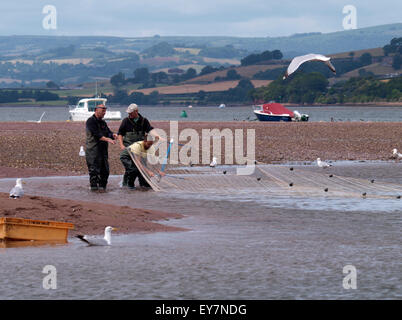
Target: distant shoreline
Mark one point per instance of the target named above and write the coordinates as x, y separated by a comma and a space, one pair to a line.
287, 104
348, 104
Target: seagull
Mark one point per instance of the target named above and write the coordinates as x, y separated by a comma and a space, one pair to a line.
323, 164
396, 154
298, 61
82, 152
17, 191
213, 163
40, 119
106, 241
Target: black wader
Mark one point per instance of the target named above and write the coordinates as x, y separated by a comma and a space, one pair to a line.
97, 160
132, 171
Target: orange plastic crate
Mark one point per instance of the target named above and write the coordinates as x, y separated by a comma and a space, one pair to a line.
38, 230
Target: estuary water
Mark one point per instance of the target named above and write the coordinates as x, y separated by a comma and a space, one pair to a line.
235, 248
212, 113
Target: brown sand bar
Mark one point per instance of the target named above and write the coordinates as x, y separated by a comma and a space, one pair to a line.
87, 217
51, 148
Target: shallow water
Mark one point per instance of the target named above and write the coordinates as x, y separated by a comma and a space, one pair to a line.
236, 249
212, 113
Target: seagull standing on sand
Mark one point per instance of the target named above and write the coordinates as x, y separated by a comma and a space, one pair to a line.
82, 152
396, 154
17, 191
106, 241
213, 163
323, 164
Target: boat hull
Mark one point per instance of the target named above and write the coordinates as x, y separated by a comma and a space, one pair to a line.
272, 117
83, 116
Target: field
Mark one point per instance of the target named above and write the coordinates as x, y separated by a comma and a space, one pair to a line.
377, 68
194, 88
222, 61
69, 61
245, 71
375, 52
189, 50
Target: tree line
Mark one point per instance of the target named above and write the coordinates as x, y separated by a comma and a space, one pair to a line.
313, 88
265, 56
38, 95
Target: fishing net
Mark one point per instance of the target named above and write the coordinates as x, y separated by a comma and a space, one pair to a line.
265, 180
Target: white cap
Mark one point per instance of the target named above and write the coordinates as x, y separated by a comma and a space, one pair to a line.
132, 107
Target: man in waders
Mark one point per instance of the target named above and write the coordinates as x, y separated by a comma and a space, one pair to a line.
141, 151
132, 129
98, 137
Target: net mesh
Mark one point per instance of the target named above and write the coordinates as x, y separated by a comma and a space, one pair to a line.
267, 180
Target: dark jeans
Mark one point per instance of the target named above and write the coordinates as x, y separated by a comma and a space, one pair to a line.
98, 168
132, 171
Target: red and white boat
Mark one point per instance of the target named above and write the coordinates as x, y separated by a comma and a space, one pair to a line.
277, 112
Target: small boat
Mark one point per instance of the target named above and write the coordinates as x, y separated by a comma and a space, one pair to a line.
277, 112
85, 108
19, 229
222, 105
273, 112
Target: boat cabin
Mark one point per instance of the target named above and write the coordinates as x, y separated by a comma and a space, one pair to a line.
90, 104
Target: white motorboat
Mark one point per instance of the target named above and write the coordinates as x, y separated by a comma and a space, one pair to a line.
85, 108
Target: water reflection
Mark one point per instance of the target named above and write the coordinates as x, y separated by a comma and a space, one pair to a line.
32, 243
235, 250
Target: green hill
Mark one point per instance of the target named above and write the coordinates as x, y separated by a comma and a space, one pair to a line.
34, 60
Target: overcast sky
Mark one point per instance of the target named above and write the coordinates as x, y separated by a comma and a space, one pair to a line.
247, 18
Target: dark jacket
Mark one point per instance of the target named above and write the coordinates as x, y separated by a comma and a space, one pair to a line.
96, 129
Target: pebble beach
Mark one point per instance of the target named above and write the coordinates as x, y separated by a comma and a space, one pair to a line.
31, 149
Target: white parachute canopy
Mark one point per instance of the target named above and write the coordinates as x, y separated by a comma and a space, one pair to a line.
298, 61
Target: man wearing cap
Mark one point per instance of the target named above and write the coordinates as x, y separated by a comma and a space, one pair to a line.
132, 129
98, 137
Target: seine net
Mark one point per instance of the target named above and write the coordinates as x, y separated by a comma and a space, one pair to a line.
265, 180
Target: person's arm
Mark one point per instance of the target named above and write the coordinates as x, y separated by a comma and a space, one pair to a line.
111, 135
140, 166
93, 127
152, 131
106, 139
121, 133
120, 139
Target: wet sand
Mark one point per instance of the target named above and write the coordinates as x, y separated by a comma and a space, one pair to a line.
87, 217
51, 148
